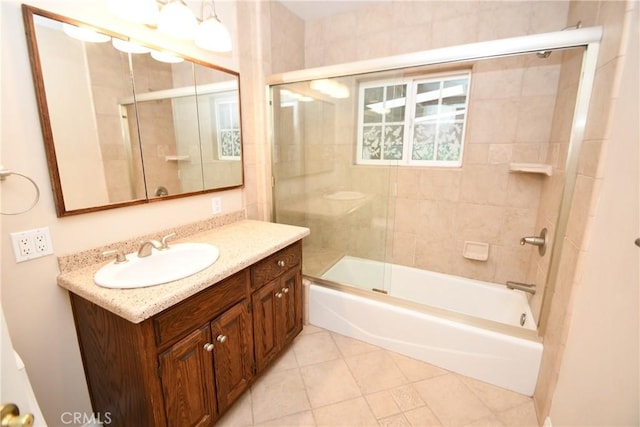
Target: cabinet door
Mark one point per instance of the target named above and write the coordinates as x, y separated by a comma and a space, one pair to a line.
233, 353
187, 381
265, 332
289, 316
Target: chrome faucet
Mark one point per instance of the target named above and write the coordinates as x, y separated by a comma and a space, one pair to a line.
145, 248
525, 287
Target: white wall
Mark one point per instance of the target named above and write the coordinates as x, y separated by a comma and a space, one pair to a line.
37, 311
599, 378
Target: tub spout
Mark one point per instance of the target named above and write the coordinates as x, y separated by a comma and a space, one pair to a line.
525, 287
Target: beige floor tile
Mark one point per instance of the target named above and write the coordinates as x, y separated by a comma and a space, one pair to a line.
490, 421
523, 416
352, 413
278, 394
311, 329
351, 347
375, 371
329, 382
422, 417
416, 370
301, 419
451, 400
382, 404
239, 415
394, 421
407, 397
287, 360
496, 398
315, 348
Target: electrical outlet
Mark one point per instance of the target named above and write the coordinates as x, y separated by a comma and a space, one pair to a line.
31, 244
41, 240
216, 205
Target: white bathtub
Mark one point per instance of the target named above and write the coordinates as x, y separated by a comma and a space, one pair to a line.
466, 326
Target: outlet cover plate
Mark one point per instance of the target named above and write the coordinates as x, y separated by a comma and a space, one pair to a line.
30, 244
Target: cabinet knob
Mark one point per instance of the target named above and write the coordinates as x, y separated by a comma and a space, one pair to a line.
278, 294
281, 263
285, 290
221, 338
208, 346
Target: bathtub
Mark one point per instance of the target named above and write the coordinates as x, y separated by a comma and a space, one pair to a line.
462, 325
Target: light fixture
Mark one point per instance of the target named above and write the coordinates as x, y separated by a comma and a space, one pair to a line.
211, 34
167, 57
129, 47
174, 18
177, 20
331, 88
138, 11
84, 34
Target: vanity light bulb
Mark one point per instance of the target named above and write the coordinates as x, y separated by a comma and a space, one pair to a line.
213, 35
84, 34
129, 47
177, 20
167, 57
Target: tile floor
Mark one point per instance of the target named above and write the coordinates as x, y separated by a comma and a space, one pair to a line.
326, 379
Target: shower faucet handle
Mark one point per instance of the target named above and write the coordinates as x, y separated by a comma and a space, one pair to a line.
539, 241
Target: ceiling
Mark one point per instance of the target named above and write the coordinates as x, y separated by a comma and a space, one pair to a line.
309, 10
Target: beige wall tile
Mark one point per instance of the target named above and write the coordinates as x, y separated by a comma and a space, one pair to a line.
453, 31
440, 184
492, 121
484, 184
535, 117
480, 223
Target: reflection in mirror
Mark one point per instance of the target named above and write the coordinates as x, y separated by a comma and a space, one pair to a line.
165, 101
219, 126
122, 126
86, 125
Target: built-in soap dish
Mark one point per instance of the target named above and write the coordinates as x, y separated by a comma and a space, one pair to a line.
477, 251
533, 168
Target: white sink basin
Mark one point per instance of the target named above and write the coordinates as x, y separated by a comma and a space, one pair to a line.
179, 261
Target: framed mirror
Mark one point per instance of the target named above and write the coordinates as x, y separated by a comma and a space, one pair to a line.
126, 124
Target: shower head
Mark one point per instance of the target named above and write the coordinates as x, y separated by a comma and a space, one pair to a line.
546, 53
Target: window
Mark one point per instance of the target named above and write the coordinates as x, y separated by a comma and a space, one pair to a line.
417, 122
228, 129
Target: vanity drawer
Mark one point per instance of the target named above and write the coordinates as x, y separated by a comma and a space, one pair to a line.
200, 308
273, 266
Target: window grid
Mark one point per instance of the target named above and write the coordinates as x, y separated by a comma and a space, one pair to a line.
431, 132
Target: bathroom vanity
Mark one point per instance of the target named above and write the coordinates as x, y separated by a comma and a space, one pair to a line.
181, 353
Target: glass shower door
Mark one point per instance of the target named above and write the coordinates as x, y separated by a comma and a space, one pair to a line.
318, 185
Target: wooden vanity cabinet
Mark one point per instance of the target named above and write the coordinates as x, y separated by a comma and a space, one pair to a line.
186, 365
205, 372
277, 303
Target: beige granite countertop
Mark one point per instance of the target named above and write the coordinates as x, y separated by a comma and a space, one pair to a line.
241, 244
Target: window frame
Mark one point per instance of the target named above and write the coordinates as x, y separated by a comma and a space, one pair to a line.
411, 84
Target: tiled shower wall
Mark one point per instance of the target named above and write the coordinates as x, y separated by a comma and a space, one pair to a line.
432, 211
